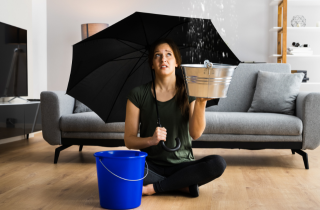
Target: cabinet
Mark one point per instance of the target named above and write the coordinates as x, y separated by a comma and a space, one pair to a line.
19, 119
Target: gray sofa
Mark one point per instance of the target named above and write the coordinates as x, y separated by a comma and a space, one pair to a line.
228, 125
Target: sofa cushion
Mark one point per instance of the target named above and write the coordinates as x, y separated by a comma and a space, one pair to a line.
88, 122
80, 107
249, 138
276, 93
250, 123
242, 86
92, 135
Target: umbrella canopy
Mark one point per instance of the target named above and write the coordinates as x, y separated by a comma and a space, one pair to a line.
109, 64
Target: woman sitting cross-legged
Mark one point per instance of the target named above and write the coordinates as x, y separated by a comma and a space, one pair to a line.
183, 116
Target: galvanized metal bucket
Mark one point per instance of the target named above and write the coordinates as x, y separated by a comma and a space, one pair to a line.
208, 80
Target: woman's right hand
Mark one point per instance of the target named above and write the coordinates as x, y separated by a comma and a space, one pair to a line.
159, 134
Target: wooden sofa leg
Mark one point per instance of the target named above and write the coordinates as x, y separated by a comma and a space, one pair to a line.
304, 156
57, 153
80, 148
293, 152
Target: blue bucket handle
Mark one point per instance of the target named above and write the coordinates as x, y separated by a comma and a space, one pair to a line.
124, 178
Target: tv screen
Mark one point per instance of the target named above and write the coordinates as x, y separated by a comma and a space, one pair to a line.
13, 61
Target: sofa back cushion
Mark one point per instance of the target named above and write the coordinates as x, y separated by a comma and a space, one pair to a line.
242, 86
276, 92
80, 107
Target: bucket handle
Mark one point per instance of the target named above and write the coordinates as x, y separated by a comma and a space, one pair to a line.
124, 178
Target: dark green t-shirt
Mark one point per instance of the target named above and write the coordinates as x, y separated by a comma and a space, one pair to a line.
170, 118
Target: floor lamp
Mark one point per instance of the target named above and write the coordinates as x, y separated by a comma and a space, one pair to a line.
18, 37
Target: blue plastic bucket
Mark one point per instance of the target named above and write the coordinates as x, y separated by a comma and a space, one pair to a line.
120, 178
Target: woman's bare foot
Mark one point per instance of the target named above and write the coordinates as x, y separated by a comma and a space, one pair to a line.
148, 190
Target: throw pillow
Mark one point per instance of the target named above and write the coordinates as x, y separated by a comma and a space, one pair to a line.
276, 92
80, 107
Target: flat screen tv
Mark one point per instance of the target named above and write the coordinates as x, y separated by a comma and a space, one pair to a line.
13, 61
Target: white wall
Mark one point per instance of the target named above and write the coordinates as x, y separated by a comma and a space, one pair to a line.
244, 25
19, 13
54, 26
39, 28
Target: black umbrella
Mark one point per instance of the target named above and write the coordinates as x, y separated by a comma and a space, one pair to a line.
109, 64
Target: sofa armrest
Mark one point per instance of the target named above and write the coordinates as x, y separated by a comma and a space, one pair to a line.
308, 110
54, 104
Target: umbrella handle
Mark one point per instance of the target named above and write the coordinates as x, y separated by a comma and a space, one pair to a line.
178, 143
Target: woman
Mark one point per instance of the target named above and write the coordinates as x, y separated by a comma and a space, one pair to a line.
182, 115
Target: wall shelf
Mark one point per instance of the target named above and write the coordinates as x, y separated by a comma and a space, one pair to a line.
304, 3
281, 30
297, 2
303, 56
309, 87
304, 29
284, 27
295, 56
275, 29
310, 83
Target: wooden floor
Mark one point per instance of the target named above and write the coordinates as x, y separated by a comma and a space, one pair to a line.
259, 179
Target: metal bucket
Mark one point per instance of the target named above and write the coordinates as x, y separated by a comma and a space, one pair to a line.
209, 80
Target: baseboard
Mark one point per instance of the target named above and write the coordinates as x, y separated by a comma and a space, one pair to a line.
17, 138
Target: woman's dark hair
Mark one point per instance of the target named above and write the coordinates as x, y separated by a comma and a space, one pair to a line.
181, 93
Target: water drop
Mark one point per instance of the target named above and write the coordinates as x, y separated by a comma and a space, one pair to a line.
223, 32
202, 6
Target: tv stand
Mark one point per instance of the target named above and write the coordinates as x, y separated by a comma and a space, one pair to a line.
19, 118
17, 97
